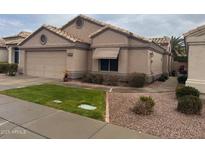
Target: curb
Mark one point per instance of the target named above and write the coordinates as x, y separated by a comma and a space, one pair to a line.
107, 117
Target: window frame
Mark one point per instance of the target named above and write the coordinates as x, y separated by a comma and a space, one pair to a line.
16, 50
109, 65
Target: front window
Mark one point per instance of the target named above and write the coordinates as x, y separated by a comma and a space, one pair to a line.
16, 55
109, 64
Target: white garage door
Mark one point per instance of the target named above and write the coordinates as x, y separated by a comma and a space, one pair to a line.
50, 64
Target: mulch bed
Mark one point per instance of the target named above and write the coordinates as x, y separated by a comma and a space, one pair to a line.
165, 122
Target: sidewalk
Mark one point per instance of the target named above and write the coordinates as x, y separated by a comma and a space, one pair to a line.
21, 119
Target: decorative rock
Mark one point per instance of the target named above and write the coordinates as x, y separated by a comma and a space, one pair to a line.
87, 107
57, 101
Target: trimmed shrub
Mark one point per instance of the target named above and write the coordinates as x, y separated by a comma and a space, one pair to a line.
87, 77
111, 80
4, 67
184, 91
12, 69
189, 105
182, 79
136, 80
163, 77
144, 106
173, 73
97, 78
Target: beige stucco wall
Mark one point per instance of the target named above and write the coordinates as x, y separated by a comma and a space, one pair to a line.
165, 63
135, 42
138, 61
156, 65
89, 60
83, 32
3, 55
109, 37
196, 63
123, 61
170, 64
52, 40
22, 62
77, 64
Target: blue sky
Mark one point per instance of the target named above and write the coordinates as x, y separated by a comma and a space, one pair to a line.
146, 25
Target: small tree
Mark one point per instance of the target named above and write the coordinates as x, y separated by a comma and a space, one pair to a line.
177, 46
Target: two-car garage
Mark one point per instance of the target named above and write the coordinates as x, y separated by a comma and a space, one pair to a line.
50, 64
49, 52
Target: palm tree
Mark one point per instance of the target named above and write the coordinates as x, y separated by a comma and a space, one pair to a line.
177, 46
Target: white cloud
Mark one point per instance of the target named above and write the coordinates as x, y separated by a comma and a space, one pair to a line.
148, 25
56, 19
6, 22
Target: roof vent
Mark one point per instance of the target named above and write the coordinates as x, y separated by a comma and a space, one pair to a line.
79, 22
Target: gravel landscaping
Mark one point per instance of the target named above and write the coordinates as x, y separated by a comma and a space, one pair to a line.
165, 122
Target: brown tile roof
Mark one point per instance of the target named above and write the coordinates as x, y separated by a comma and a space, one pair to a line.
56, 31
15, 39
24, 34
105, 26
62, 33
2, 43
161, 40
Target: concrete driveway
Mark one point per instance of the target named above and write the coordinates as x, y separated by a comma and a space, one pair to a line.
26, 120
8, 82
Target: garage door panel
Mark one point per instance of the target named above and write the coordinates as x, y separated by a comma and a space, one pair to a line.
51, 64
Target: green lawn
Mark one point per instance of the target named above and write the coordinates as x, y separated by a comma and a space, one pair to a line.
70, 97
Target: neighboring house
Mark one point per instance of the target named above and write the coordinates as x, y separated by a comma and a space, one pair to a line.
165, 42
88, 45
3, 51
195, 46
9, 52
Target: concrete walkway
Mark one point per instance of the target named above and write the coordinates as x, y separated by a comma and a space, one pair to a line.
22, 119
11, 82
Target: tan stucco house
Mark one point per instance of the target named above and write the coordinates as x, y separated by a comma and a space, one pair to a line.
165, 42
9, 50
88, 45
3, 51
195, 46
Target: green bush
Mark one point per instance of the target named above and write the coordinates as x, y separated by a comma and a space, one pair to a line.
144, 106
12, 69
97, 78
189, 105
87, 77
4, 67
181, 58
136, 79
182, 79
186, 90
163, 77
111, 80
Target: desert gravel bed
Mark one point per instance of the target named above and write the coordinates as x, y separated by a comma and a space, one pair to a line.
165, 122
